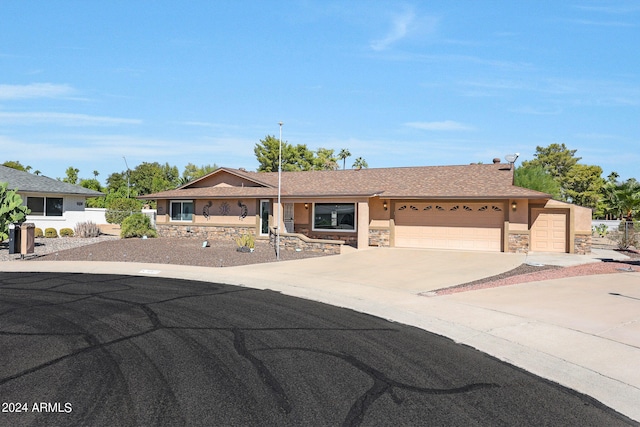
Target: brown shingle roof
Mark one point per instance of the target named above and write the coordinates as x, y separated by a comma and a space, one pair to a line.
445, 182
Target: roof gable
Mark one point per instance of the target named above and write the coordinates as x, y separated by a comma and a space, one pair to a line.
26, 182
227, 177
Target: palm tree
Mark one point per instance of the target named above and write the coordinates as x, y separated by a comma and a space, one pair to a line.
360, 163
628, 198
344, 153
95, 174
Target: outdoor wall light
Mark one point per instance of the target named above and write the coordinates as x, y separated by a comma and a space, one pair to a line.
514, 205
306, 205
384, 205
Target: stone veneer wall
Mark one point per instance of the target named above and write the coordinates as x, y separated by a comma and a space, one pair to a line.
350, 239
292, 242
518, 243
582, 244
380, 237
211, 232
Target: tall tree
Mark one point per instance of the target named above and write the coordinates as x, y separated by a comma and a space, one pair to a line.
192, 172
344, 153
149, 178
71, 175
294, 158
583, 184
267, 153
556, 159
537, 178
325, 160
15, 164
360, 163
628, 196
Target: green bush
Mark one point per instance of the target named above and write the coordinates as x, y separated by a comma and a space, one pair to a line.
50, 233
120, 208
66, 232
137, 225
600, 230
38, 232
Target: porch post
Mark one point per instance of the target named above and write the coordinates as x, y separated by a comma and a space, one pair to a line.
363, 225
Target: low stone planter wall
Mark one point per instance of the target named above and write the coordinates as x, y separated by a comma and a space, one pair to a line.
208, 232
300, 242
350, 239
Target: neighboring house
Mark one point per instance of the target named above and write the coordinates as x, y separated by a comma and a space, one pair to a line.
471, 207
53, 203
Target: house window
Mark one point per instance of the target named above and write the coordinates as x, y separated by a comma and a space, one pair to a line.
182, 210
45, 206
334, 216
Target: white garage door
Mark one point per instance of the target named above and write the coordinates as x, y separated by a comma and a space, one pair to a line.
549, 231
468, 226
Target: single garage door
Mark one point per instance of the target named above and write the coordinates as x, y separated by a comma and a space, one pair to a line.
548, 231
468, 226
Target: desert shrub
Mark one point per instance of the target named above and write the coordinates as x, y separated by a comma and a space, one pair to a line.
137, 225
50, 232
245, 242
627, 235
66, 232
38, 232
87, 229
120, 208
600, 230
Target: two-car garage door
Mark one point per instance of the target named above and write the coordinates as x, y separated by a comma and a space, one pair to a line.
468, 226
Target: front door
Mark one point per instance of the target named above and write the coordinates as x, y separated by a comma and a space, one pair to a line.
288, 217
264, 217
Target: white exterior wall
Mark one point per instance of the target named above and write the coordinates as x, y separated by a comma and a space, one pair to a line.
73, 212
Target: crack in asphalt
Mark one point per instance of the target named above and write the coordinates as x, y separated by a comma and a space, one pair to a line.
381, 384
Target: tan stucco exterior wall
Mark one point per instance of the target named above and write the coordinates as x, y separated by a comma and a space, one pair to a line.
518, 218
224, 179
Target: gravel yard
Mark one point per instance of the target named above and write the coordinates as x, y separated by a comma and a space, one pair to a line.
178, 251
224, 254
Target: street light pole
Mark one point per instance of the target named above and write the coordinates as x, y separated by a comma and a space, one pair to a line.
128, 185
279, 191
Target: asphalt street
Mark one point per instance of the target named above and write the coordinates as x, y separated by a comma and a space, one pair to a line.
110, 350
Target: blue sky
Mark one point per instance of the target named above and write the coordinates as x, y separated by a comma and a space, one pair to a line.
86, 83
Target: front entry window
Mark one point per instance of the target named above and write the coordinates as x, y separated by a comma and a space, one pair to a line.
182, 210
334, 216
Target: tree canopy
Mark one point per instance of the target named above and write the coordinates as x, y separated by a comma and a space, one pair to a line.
294, 157
537, 178
580, 184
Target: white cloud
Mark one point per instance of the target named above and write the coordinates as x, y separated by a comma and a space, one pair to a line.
405, 25
447, 125
399, 28
35, 90
63, 119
